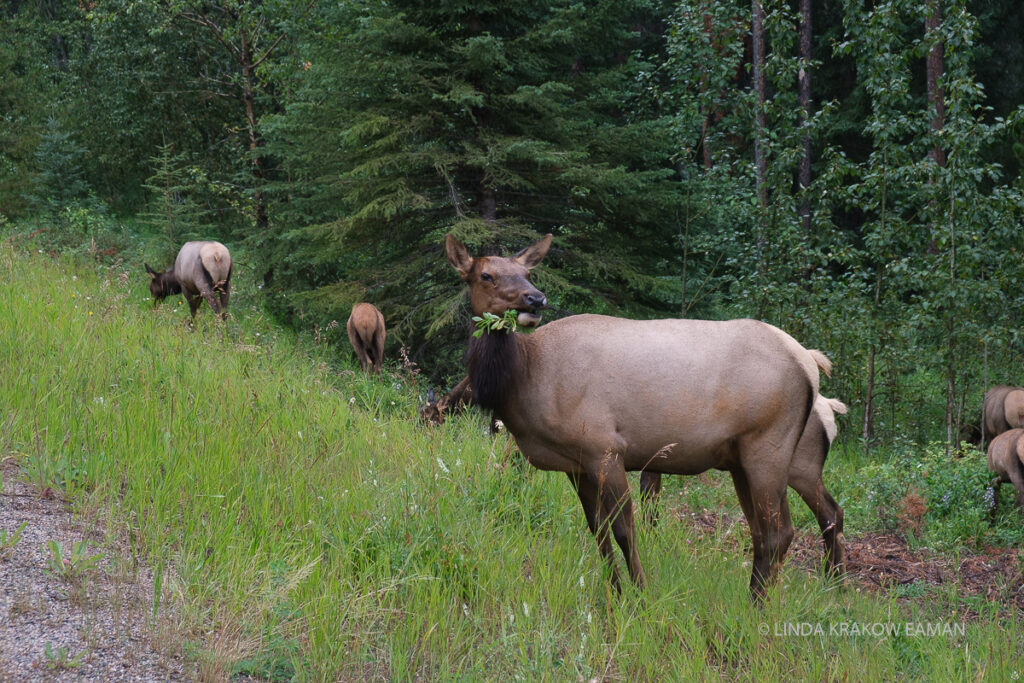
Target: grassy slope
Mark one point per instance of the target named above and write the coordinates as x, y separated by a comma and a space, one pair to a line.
307, 525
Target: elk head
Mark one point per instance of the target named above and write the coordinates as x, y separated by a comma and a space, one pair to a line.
498, 284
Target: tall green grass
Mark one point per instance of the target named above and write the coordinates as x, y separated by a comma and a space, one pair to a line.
302, 525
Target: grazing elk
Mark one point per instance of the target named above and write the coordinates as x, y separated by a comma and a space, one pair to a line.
804, 476
202, 270
1006, 461
454, 402
366, 332
1001, 410
438, 410
594, 396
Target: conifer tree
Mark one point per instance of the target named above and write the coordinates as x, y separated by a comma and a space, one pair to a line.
172, 208
497, 121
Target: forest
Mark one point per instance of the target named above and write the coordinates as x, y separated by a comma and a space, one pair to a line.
847, 170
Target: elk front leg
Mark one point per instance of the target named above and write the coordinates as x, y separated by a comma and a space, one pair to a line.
590, 499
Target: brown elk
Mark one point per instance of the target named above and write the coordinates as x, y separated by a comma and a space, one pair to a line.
804, 476
438, 410
1002, 409
366, 332
594, 396
1006, 461
202, 270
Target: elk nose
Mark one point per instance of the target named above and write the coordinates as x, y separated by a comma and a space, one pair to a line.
535, 301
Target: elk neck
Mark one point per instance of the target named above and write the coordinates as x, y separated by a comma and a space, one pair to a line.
495, 363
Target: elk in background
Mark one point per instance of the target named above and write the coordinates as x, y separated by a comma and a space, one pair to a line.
366, 332
1006, 461
202, 270
1002, 409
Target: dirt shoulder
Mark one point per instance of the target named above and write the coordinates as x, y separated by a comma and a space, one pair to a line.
885, 562
91, 624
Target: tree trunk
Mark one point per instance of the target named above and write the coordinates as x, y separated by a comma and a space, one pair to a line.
936, 96
804, 100
706, 124
868, 426
757, 29
936, 101
252, 122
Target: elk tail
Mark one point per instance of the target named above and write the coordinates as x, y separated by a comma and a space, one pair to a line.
822, 361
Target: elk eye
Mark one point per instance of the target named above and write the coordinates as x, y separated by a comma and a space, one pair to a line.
486, 277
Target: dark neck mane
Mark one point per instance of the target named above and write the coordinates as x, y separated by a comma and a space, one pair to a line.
493, 362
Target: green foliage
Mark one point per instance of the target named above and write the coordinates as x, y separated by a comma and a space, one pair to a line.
59, 183
172, 185
494, 123
937, 500
62, 473
9, 540
339, 143
490, 323
61, 659
72, 567
336, 541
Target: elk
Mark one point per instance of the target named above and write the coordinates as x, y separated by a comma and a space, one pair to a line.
437, 410
1002, 409
1006, 461
804, 476
366, 332
202, 270
594, 396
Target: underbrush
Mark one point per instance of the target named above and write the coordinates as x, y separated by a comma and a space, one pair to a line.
933, 499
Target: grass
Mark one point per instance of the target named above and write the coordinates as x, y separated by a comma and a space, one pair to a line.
305, 526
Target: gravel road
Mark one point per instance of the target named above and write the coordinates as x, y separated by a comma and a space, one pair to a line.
96, 627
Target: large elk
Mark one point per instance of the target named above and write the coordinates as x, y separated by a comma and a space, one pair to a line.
1002, 409
202, 270
594, 396
804, 476
366, 332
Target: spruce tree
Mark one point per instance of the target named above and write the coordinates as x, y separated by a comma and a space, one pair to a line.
172, 208
498, 122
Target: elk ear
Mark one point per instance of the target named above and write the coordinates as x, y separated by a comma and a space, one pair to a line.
149, 270
457, 255
431, 396
533, 254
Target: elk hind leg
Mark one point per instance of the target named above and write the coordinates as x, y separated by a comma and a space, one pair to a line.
767, 511
829, 515
208, 294
378, 352
1015, 472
